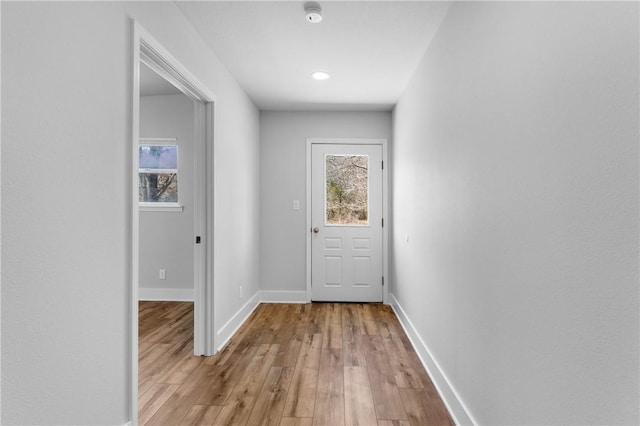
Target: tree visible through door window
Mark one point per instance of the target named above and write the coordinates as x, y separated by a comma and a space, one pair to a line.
158, 173
347, 189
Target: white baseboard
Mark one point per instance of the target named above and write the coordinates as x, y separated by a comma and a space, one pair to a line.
450, 397
166, 294
229, 329
283, 296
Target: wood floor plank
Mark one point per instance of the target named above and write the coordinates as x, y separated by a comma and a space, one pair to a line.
296, 421
383, 320
143, 347
333, 326
303, 317
302, 392
201, 415
288, 355
370, 324
229, 348
151, 357
154, 370
351, 317
329, 409
180, 402
422, 410
280, 326
240, 402
151, 312
392, 321
242, 337
419, 370
288, 364
269, 406
223, 378
317, 318
383, 384
158, 356
401, 365
358, 400
393, 423
151, 401
181, 370
176, 321
352, 346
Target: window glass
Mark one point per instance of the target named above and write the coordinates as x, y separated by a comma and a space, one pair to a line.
158, 173
347, 189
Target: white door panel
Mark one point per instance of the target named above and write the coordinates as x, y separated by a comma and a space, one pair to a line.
346, 218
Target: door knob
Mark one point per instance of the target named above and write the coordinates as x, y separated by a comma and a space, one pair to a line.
316, 230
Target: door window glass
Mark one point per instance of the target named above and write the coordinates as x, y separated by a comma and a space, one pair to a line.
347, 189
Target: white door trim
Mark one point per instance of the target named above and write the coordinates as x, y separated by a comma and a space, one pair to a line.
385, 206
148, 50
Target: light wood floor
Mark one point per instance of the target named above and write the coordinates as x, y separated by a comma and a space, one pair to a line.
325, 364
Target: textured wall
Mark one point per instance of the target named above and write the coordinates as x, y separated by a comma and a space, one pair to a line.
283, 140
66, 202
166, 238
515, 177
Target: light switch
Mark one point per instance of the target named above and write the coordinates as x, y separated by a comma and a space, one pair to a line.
296, 204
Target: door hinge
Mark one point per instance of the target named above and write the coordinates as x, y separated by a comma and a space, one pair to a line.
198, 240
383, 222
382, 165
382, 281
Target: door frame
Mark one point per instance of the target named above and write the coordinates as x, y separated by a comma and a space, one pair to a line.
148, 50
385, 205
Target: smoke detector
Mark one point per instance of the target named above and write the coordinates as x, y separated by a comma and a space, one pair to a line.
314, 12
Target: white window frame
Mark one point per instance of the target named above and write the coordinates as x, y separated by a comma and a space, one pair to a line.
161, 207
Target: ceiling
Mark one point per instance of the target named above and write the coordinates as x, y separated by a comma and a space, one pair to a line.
370, 48
152, 84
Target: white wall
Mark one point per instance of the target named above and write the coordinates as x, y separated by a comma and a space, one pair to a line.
515, 176
283, 141
167, 238
66, 201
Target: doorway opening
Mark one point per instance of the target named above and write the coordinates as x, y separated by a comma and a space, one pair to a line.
149, 53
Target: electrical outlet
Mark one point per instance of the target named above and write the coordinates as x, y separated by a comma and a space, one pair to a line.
240, 291
162, 274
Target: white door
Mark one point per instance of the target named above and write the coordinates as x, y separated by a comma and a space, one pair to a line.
346, 223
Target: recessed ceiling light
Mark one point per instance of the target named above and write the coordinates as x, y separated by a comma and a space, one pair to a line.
320, 75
